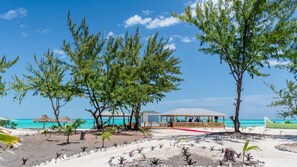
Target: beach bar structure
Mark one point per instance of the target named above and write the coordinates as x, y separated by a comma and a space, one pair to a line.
192, 117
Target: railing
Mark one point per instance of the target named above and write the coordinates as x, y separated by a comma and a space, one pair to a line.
198, 124
185, 124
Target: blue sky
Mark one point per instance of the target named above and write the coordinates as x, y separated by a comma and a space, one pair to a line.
32, 27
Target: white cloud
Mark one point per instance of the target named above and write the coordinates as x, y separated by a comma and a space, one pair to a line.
16, 13
147, 12
42, 31
161, 21
59, 51
150, 23
187, 39
110, 34
277, 63
134, 20
24, 34
23, 25
170, 46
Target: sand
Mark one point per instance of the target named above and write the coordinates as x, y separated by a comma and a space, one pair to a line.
199, 144
37, 149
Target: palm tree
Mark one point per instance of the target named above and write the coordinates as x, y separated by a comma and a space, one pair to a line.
105, 136
247, 148
8, 139
68, 130
77, 123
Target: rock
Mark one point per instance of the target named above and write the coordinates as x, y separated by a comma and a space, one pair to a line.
229, 154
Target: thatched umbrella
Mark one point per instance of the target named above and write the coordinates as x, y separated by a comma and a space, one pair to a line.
44, 119
65, 120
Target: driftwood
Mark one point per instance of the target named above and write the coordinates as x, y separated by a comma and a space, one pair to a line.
82, 135
229, 154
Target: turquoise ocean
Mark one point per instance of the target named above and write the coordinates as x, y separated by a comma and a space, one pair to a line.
28, 123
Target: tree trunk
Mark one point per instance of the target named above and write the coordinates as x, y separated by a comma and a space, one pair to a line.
103, 143
137, 115
68, 138
131, 117
237, 105
57, 117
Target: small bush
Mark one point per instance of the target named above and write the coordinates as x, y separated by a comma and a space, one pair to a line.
156, 161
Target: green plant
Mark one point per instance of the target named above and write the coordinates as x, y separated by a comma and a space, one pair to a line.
161, 145
153, 147
249, 156
105, 136
8, 124
112, 130
77, 123
247, 148
145, 131
156, 162
13, 125
131, 153
24, 160
8, 139
68, 130
122, 160
84, 148
143, 157
58, 155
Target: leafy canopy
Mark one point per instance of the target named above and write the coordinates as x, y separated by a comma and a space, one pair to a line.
4, 65
46, 79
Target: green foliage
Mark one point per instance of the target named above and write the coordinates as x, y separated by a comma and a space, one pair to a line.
245, 34
145, 76
105, 136
4, 65
145, 131
247, 148
77, 123
68, 130
287, 99
113, 72
8, 139
46, 79
8, 124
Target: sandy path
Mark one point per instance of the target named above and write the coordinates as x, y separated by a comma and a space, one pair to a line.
269, 154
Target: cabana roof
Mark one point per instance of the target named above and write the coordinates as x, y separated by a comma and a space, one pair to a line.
192, 112
150, 112
115, 114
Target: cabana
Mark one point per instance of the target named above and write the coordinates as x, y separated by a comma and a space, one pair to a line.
192, 117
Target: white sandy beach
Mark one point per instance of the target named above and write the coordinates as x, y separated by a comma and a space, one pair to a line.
269, 154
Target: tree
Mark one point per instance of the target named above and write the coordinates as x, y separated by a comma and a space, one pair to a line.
68, 130
77, 123
91, 68
105, 136
4, 65
146, 77
286, 98
46, 79
245, 34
